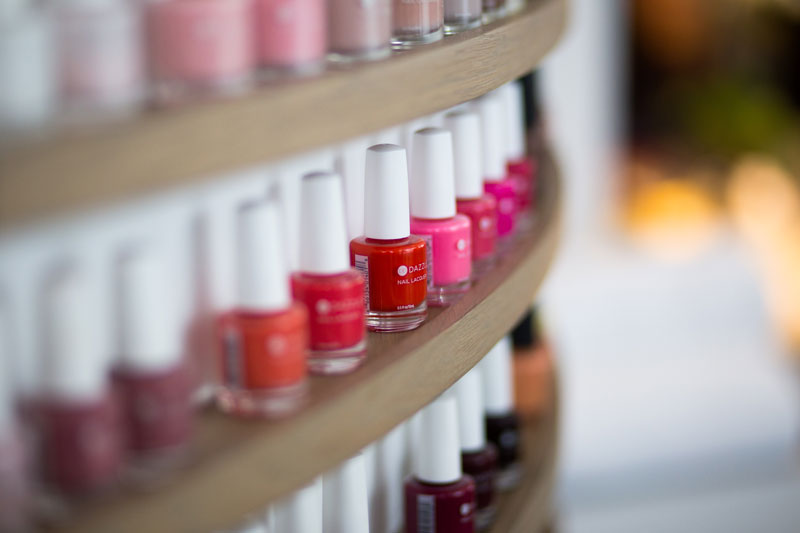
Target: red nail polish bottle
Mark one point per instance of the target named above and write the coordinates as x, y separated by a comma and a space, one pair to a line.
151, 377
264, 339
331, 290
502, 421
496, 180
471, 200
81, 434
478, 458
438, 496
393, 263
520, 166
448, 235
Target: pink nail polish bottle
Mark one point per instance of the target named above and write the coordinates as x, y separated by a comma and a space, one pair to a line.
519, 164
332, 291
292, 35
82, 441
478, 458
359, 30
200, 47
496, 180
15, 489
447, 234
152, 379
100, 57
438, 496
417, 22
471, 200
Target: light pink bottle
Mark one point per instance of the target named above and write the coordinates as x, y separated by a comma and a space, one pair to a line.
496, 181
433, 216
200, 46
292, 35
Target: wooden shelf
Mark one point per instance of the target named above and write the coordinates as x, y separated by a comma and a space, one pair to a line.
238, 466
167, 148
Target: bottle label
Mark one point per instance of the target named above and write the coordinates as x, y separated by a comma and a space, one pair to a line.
362, 265
426, 513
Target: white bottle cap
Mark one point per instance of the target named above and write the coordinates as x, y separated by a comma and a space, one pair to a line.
323, 237
300, 512
386, 193
344, 498
493, 153
496, 374
515, 121
471, 421
465, 127
150, 338
350, 164
438, 455
432, 182
263, 280
73, 366
389, 457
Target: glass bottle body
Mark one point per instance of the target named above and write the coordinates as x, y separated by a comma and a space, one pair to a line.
440, 507
359, 30
449, 256
482, 466
505, 195
416, 22
482, 213
493, 10
292, 35
461, 15
503, 431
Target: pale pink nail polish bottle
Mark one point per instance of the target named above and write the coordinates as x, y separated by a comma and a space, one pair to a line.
359, 30
200, 47
292, 35
417, 22
434, 217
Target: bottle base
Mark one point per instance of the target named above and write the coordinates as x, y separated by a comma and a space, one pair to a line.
404, 42
374, 54
456, 26
447, 294
509, 477
267, 403
396, 321
333, 362
484, 517
481, 267
491, 15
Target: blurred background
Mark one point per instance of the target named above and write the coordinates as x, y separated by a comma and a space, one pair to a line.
674, 307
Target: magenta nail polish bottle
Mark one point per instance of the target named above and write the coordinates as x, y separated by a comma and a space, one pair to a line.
152, 379
81, 437
478, 458
438, 496
434, 218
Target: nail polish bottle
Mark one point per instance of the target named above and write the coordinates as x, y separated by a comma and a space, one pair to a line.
100, 56
478, 458
344, 498
299, 512
533, 367
332, 291
471, 200
264, 339
15, 489
460, 15
438, 496
496, 180
416, 22
447, 234
200, 47
292, 35
520, 166
493, 10
502, 421
78, 415
358, 30
152, 379
392, 261
27, 67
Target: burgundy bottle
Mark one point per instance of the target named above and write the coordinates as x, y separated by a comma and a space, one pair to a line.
478, 458
78, 414
502, 421
153, 381
438, 497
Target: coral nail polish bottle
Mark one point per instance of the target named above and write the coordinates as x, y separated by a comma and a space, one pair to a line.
521, 167
345, 504
292, 35
331, 290
392, 261
438, 496
471, 200
478, 458
151, 376
264, 339
533, 367
78, 415
447, 235
495, 176
502, 421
